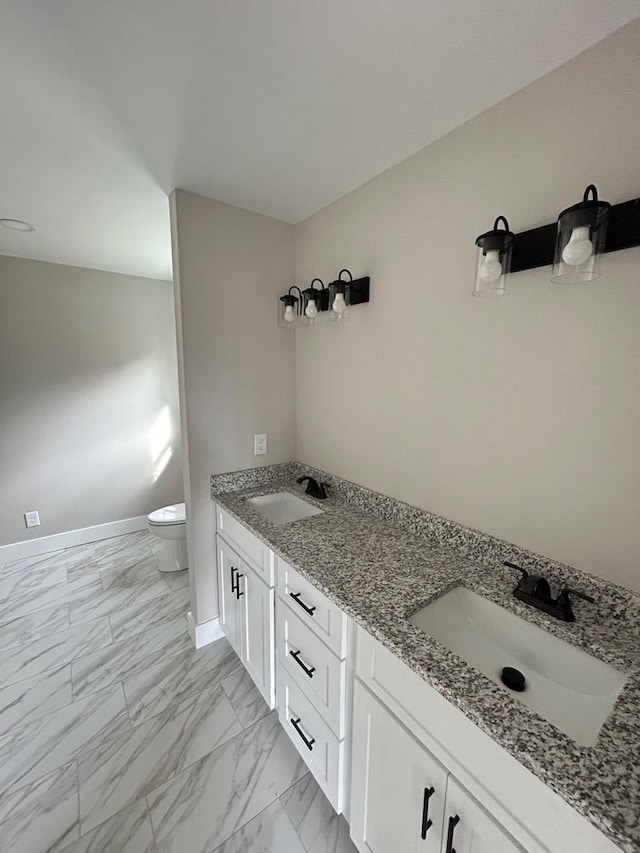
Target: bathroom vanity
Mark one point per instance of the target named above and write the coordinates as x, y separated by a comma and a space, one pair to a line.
418, 748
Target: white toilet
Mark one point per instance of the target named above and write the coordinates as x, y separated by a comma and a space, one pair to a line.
169, 524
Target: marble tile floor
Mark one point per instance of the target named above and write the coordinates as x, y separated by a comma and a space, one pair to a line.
116, 736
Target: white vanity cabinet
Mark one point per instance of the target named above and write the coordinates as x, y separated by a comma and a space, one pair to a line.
313, 679
401, 728
247, 604
397, 787
402, 798
411, 771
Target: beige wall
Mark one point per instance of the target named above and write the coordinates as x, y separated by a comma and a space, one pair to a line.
519, 416
88, 397
237, 368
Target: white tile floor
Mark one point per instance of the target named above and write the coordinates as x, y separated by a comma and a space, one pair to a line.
117, 737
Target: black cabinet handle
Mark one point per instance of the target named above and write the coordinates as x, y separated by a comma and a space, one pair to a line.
453, 822
300, 603
426, 823
238, 576
233, 578
308, 670
308, 742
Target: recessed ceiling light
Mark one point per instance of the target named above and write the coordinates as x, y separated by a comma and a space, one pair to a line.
17, 225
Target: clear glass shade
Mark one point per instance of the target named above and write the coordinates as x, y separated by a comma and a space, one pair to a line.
578, 250
287, 312
339, 301
310, 307
492, 271
580, 239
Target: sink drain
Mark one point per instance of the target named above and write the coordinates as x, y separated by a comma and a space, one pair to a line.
513, 679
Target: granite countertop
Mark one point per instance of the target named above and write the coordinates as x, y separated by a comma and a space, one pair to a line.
380, 573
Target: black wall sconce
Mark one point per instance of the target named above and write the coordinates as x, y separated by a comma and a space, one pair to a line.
580, 240
289, 308
343, 294
313, 302
494, 260
573, 244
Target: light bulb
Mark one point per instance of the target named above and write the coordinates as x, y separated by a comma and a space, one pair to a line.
311, 311
491, 268
339, 305
579, 248
289, 314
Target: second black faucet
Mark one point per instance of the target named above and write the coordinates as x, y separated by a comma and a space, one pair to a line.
314, 488
536, 591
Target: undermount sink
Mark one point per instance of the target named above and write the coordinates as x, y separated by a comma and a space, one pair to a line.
283, 507
563, 684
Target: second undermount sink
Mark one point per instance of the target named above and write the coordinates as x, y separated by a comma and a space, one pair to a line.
282, 507
565, 685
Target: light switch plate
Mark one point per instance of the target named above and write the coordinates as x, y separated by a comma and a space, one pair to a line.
260, 444
32, 519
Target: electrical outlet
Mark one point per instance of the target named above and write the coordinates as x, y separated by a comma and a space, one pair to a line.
260, 444
32, 519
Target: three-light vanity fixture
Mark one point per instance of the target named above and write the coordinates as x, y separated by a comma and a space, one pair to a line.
573, 245
312, 302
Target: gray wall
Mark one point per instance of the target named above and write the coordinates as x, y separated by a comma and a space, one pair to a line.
88, 397
519, 416
237, 368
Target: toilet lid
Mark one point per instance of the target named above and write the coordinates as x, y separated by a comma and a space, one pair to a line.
174, 514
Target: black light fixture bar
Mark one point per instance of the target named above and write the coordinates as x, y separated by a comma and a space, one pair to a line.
360, 290
535, 248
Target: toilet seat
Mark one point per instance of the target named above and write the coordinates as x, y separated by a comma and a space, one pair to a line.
167, 515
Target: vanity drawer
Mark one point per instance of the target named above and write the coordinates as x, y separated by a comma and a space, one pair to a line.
319, 748
323, 617
249, 545
319, 673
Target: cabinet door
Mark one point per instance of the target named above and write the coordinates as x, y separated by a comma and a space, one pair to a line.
468, 828
230, 608
258, 634
398, 789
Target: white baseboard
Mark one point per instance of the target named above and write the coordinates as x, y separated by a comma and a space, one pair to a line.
58, 541
205, 633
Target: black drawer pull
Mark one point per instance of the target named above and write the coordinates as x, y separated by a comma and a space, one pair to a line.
233, 578
426, 823
238, 576
308, 670
300, 603
307, 742
453, 822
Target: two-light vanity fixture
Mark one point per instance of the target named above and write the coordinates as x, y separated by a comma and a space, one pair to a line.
310, 304
573, 245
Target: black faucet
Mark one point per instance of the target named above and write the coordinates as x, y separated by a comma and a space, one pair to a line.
314, 488
536, 591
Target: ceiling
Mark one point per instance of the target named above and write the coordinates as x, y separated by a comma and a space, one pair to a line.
278, 106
